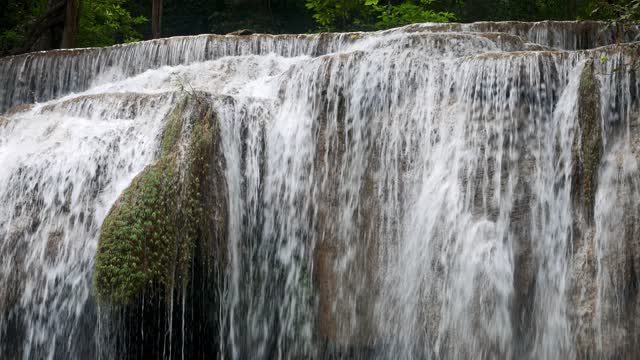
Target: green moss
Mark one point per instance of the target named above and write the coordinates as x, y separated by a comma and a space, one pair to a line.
136, 242
204, 205
193, 210
149, 237
173, 129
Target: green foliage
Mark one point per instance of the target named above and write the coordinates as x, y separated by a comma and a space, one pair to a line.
106, 22
622, 11
620, 14
10, 39
102, 23
344, 15
408, 13
340, 15
332, 15
15, 20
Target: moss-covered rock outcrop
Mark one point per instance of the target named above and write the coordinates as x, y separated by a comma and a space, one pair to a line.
149, 236
137, 242
162, 246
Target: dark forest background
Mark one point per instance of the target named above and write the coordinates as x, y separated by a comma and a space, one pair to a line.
30, 25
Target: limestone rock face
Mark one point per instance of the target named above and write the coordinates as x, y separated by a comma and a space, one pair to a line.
340, 286
603, 160
605, 206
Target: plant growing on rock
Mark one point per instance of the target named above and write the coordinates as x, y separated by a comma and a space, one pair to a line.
148, 239
136, 240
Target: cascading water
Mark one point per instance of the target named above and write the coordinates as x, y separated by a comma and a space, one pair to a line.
63, 166
429, 192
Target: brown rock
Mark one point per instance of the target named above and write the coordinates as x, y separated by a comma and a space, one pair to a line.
19, 109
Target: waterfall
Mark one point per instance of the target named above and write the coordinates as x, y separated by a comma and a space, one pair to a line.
436, 191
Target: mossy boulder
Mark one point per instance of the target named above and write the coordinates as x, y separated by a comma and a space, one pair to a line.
162, 246
148, 239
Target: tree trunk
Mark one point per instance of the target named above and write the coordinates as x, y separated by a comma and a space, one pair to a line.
71, 24
156, 18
